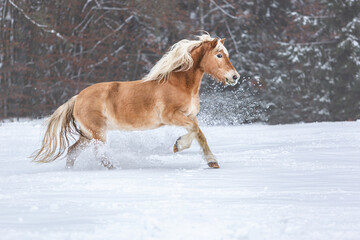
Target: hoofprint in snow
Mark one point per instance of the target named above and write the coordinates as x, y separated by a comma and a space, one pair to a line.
297, 181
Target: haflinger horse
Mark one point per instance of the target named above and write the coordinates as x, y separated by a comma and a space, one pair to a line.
167, 95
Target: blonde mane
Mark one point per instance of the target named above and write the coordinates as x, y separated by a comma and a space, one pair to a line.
178, 58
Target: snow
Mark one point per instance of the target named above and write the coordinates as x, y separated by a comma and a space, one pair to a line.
297, 181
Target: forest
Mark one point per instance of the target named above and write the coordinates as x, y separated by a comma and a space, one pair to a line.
299, 60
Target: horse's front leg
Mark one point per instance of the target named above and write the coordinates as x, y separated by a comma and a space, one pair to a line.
210, 158
184, 142
179, 119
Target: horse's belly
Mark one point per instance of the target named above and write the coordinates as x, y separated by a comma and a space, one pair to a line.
130, 122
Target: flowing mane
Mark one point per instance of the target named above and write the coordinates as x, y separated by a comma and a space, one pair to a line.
178, 58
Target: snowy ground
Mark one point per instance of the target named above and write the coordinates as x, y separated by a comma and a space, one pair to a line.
297, 181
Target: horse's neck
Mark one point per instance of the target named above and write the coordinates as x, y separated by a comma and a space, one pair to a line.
190, 80
196, 77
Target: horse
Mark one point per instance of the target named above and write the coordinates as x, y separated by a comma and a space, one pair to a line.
167, 95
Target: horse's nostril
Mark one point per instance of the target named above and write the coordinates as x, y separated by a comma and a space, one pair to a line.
235, 77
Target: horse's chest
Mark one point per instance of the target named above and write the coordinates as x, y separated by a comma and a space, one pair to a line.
193, 107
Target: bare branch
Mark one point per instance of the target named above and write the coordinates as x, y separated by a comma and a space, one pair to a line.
308, 43
108, 25
318, 33
61, 59
85, 5
97, 3
214, 9
228, 4
85, 18
110, 34
296, 14
111, 8
87, 23
232, 37
41, 26
26, 16
107, 57
223, 11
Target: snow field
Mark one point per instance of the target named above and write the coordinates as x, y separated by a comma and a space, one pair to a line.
296, 181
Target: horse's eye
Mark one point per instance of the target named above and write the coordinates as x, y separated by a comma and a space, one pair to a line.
219, 55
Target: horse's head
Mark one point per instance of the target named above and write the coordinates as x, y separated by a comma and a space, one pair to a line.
216, 62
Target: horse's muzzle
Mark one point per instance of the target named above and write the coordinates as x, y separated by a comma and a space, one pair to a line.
233, 80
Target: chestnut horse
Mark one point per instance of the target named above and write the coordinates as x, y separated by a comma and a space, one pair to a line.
168, 95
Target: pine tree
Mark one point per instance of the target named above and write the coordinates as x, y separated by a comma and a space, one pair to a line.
346, 60
319, 63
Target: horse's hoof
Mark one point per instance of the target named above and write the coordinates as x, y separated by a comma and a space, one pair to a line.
111, 167
175, 148
213, 165
108, 165
68, 168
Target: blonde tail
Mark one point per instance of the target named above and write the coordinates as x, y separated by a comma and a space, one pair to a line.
60, 127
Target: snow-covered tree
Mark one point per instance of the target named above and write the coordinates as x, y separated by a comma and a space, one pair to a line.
318, 63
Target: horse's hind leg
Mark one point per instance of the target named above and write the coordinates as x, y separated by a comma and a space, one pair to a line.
101, 155
96, 129
74, 151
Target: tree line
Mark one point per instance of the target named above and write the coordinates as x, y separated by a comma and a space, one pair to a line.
300, 60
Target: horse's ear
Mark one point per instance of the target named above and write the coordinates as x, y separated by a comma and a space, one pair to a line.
214, 42
222, 41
